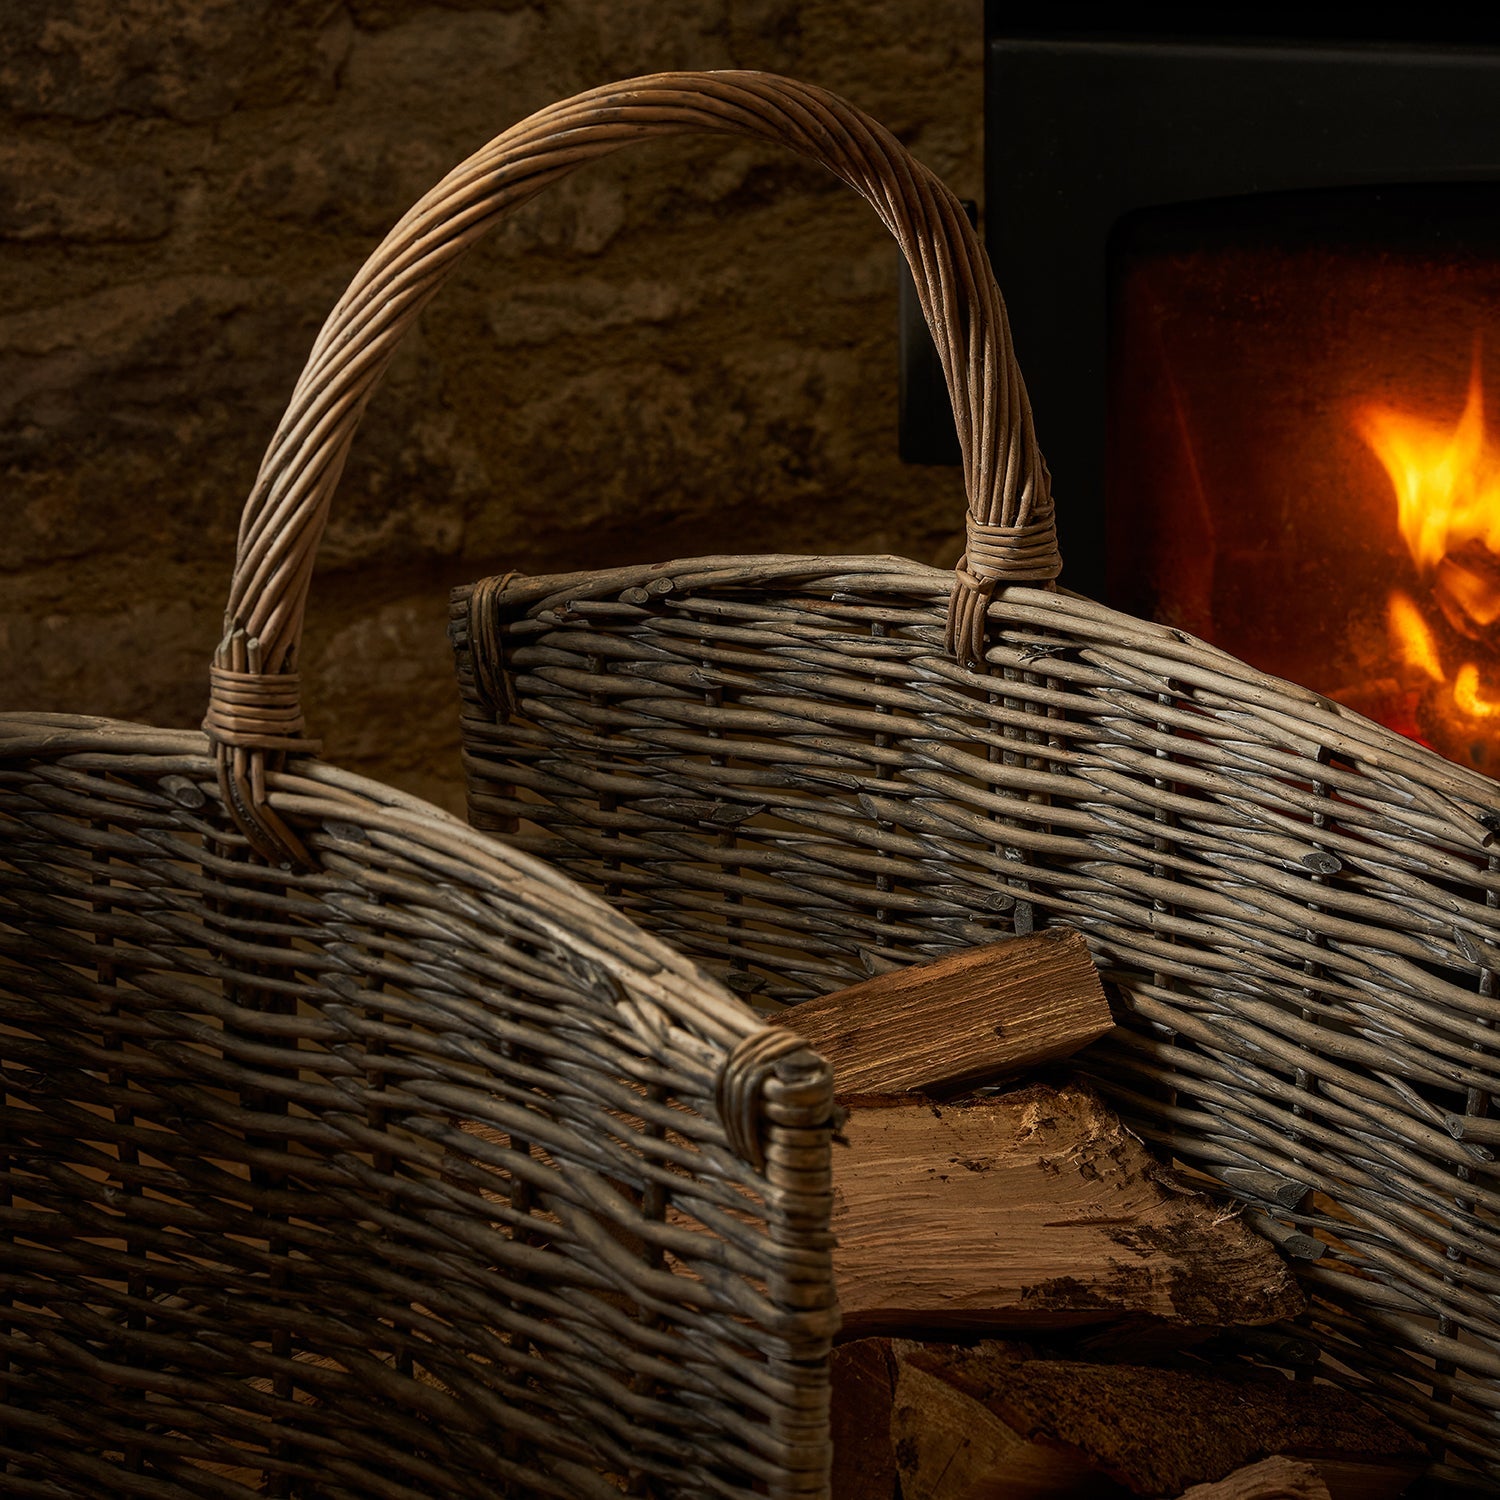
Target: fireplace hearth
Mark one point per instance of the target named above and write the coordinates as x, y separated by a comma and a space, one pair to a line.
1298, 464
1251, 277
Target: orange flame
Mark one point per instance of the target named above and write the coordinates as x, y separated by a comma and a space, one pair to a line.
1413, 640
1468, 697
1447, 484
1447, 479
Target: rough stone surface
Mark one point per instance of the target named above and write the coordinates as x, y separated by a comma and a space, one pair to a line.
689, 347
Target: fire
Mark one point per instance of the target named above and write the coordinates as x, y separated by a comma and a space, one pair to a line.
1447, 482
1413, 640
1466, 694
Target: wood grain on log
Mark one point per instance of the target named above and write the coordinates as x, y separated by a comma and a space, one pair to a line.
976, 1016
1031, 1209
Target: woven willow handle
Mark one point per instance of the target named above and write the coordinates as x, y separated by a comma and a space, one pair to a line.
255, 705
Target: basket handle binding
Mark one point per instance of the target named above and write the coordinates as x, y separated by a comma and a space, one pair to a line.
255, 691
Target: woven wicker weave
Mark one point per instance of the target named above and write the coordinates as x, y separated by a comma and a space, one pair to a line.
348, 1152
775, 764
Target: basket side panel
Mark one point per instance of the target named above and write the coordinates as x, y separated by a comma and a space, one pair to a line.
777, 768
402, 1177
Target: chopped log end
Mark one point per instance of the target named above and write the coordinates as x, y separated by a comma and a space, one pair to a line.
1161, 1431
948, 1447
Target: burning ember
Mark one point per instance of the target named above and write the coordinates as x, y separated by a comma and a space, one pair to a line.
1446, 630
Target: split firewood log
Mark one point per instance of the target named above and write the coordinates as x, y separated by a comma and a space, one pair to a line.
993, 1422
976, 1016
1277, 1478
1032, 1209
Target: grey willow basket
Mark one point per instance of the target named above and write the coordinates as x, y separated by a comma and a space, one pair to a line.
346, 1151
800, 769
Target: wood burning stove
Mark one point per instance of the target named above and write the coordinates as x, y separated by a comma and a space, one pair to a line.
1254, 279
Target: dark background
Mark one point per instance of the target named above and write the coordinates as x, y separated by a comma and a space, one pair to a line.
689, 348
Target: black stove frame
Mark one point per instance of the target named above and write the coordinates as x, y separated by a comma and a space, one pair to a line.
1084, 125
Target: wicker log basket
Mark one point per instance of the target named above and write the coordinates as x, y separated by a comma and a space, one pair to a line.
349, 1151
346, 1151
800, 769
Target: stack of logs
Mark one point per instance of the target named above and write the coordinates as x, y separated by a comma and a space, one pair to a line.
971, 1216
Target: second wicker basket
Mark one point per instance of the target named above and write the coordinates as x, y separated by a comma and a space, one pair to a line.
797, 769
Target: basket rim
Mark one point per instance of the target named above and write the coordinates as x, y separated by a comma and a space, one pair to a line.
1301, 716
313, 788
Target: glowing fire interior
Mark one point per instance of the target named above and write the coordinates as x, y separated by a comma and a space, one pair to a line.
1447, 483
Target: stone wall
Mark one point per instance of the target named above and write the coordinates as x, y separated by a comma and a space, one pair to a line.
688, 348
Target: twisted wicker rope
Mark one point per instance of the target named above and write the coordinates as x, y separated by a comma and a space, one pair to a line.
489, 644
741, 1089
255, 710
997, 554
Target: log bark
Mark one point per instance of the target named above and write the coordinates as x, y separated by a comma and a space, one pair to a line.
1027, 1210
974, 1017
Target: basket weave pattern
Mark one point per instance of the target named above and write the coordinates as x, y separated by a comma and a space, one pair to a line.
403, 1176
347, 1152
